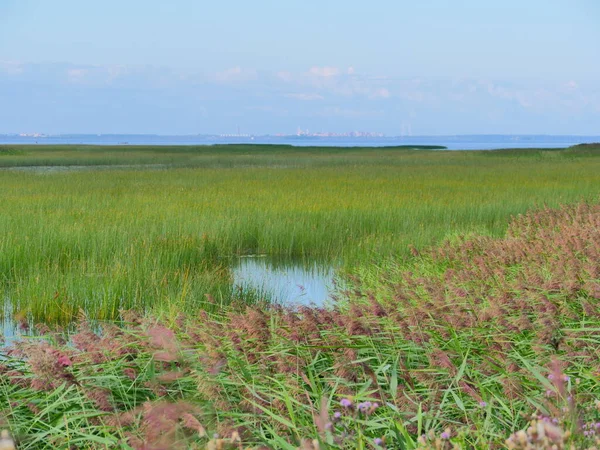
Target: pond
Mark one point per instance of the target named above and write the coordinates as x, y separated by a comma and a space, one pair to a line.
286, 283
10, 331
283, 282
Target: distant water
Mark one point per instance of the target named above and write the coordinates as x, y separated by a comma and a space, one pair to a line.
478, 142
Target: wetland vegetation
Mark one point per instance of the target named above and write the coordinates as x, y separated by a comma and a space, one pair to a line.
139, 237
469, 317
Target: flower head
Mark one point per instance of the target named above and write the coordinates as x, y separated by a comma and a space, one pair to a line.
64, 360
346, 403
364, 407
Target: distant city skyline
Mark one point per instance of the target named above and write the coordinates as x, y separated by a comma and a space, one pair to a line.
307, 133
414, 68
451, 142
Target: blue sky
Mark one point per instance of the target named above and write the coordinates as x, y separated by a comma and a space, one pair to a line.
183, 66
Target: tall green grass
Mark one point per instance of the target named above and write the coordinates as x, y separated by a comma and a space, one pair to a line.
111, 239
480, 343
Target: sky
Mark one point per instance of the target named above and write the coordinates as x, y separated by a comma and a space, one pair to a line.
423, 67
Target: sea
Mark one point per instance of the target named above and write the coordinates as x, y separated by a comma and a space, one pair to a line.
459, 142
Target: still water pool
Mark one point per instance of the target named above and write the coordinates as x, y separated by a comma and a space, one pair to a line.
286, 283
283, 282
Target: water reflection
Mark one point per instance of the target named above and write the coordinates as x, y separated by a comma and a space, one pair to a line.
10, 331
286, 283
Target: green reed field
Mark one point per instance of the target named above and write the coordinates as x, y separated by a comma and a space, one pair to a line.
106, 228
479, 343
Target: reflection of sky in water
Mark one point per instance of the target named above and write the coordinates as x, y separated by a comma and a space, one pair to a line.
288, 284
10, 331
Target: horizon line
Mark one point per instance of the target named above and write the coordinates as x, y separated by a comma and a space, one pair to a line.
279, 135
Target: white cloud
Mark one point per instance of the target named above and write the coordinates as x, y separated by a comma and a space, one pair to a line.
362, 88
235, 74
539, 97
343, 83
268, 109
336, 111
76, 75
11, 67
311, 90
305, 96
380, 93
285, 76
324, 71
571, 85
115, 72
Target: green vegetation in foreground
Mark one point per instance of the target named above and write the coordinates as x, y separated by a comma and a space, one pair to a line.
459, 348
103, 240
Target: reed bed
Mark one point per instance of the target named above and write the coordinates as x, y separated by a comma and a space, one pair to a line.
139, 237
480, 342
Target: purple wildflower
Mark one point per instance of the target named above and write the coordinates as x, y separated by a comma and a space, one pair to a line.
378, 441
445, 435
346, 403
482, 404
364, 407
